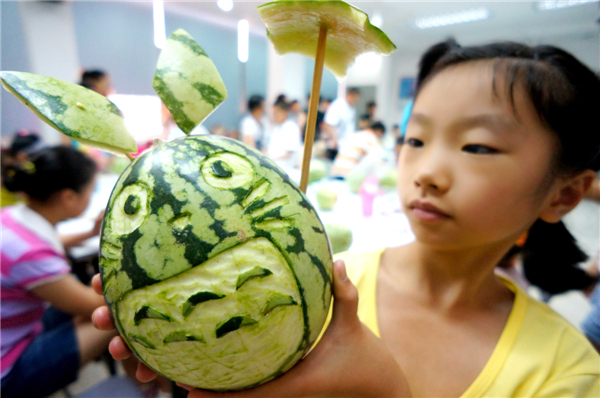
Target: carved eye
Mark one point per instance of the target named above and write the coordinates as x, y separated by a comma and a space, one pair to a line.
227, 171
129, 209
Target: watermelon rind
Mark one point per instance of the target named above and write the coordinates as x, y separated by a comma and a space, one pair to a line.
293, 27
77, 112
187, 81
216, 267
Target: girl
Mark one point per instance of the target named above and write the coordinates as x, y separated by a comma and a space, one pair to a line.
499, 140
40, 356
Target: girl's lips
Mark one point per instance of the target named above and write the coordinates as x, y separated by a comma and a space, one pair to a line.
427, 215
427, 212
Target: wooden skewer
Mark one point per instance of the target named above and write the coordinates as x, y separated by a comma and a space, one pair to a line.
130, 157
313, 107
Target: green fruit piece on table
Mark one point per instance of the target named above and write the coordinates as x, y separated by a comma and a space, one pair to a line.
389, 180
317, 170
326, 198
75, 111
339, 236
187, 81
293, 27
215, 266
355, 180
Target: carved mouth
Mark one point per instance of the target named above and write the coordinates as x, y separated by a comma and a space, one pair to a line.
236, 317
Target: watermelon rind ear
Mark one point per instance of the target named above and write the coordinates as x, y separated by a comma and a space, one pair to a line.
293, 27
77, 112
187, 81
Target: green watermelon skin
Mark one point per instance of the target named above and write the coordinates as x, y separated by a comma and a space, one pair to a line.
184, 203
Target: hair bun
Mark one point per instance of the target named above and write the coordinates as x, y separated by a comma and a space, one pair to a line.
15, 177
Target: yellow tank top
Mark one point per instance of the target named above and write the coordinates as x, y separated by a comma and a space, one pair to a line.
539, 354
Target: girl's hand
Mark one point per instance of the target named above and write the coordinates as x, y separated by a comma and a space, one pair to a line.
349, 361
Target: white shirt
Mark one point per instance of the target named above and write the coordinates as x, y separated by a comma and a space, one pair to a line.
341, 116
285, 137
250, 127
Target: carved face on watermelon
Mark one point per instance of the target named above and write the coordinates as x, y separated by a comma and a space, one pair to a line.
215, 265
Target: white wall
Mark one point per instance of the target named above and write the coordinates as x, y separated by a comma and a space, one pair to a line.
52, 47
285, 75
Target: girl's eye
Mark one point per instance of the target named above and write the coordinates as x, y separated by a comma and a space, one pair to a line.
480, 149
414, 142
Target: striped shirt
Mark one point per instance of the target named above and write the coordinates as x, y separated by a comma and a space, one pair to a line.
31, 256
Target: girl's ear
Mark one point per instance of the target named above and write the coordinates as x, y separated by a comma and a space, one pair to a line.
567, 195
66, 196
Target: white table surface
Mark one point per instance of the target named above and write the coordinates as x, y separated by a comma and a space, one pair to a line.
387, 227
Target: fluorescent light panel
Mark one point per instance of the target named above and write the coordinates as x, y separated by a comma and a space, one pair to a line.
436, 21
243, 31
160, 34
377, 20
225, 5
559, 4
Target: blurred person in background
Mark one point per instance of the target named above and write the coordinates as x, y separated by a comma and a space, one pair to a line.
364, 122
98, 81
371, 111
363, 151
298, 114
43, 348
253, 125
340, 120
591, 324
285, 142
23, 145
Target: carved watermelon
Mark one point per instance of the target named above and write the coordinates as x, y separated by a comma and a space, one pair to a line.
216, 267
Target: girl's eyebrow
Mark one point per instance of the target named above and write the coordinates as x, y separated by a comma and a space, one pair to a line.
494, 122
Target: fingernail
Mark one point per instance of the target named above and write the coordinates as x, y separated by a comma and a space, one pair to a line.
341, 270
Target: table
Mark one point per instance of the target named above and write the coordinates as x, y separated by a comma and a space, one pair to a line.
387, 227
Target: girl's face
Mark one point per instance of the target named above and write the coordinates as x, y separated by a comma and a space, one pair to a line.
76, 202
484, 168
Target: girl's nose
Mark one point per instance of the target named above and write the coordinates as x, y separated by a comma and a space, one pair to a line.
433, 175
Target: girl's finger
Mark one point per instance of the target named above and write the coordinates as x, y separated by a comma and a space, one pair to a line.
101, 319
185, 386
118, 349
345, 303
97, 283
144, 374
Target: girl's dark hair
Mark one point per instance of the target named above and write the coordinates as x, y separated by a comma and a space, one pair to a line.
256, 101
90, 77
49, 171
566, 96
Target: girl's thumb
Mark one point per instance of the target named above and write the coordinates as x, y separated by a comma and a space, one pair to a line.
345, 296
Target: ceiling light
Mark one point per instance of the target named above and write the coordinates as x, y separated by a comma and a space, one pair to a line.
377, 20
243, 30
545, 5
160, 34
475, 14
225, 5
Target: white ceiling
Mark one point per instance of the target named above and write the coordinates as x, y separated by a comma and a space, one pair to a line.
510, 20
